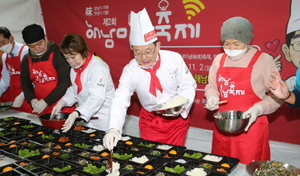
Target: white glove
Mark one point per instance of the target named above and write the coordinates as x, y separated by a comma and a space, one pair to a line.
18, 101
69, 122
40, 106
34, 102
59, 105
212, 103
254, 112
111, 139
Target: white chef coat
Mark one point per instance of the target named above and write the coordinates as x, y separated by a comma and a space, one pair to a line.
174, 76
95, 97
5, 80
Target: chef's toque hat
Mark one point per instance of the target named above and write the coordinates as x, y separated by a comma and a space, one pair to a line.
141, 29
294, 21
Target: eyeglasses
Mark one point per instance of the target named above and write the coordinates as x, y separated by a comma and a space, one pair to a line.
296, 46
147, 53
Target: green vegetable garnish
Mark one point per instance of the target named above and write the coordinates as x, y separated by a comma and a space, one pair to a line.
30, 167
155, 152
90, 168
145, 145
27, 126
128, 167
83, 145
195, 155
27, 153
177, 169
31, 144
65, 155
8, 118
2, 134
68, 167
122, 157
47, 136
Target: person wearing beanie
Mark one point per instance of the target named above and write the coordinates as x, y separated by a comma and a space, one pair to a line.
240, 75
45, 74
156, 76
13, 53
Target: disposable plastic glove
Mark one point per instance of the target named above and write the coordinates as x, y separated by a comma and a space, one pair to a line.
18, 101
69, 122
254, 112
111, 139
40, 106
57, 108
177, 113
33, 102
212, 103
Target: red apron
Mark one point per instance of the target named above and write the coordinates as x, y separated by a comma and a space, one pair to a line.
13, 65
170, 130
234, 84
44, 77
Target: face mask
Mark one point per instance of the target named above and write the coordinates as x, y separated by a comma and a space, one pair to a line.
235, 54
6, 48
77, 65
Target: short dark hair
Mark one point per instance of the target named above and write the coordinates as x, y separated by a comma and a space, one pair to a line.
6, 33
74, 43
288, 38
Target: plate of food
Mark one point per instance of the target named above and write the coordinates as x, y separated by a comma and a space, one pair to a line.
175, 104
265, 168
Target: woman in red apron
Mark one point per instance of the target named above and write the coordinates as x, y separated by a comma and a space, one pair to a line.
240, 76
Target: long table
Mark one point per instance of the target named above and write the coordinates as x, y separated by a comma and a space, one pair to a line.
240, 170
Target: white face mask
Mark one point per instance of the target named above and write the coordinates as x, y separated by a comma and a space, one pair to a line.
6, 48
235, 54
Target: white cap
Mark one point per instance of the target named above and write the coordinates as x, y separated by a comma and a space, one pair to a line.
294, 21
141, 29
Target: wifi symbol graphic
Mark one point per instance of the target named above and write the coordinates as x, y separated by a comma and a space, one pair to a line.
192, 7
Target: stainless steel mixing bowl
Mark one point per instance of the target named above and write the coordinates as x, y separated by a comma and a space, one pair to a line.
231, 121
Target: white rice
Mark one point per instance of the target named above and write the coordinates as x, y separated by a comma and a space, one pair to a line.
125, 138
140, 160
98, 148
212, 158
90, 130
164, 147
176, 101
196, 172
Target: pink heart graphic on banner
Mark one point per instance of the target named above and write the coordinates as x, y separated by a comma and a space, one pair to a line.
272, 45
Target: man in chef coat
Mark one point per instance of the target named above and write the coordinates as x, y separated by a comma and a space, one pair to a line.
156, 76
13, 53
45, 74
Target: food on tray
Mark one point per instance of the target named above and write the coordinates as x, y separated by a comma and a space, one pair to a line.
275, 168
114, 170
140, 160
213, 158
13, 141
206, 165
7, 168
140, 172
82, 145
63, 139
64, 156
40, 132
129, 143
12, 146
82, 162
90, 168
2, 134
8, 118
92, 135
167, 156
128, 167
46, 174
196, 171
90, 130
155, 153
31, 144
27, 153
104, 154
145, 145
17, 123
79, 128
85, 154
173, 152
14, 129
148, 166
68, 167
47, 149
44, 136
195, 155
2, 143
221, 170
50, 144
135, 149
23, 143
67, 144
95, 157
160, 174
125, 156
30, 167
182, 161
23, 163
29, 135
67, 150
55, 153
177, 169
98, 148
45, 156
164, 147
57, 147
225, 165
27, 126
125, 138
